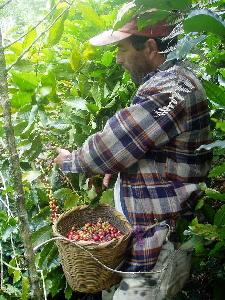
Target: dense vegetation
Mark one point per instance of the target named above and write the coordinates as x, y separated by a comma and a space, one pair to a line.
62, 90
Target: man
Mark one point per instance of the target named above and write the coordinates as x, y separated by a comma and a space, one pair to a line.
152, 146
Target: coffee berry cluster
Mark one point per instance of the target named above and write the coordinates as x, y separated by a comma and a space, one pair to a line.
101, 231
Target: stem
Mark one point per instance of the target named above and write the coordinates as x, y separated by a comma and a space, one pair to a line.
4, 4
36, 290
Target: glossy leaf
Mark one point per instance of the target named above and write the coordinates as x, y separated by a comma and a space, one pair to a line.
21, 99
214, 194
31, 175
42, 234
56, 31
215, 92
203, 20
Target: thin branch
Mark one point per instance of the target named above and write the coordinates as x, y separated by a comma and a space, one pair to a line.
1, 262
6, 3
40, 35
6, 196
6, 206
33, 28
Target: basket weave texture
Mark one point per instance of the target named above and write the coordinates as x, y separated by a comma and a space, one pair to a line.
82, 272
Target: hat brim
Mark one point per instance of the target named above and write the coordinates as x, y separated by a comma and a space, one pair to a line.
108, 37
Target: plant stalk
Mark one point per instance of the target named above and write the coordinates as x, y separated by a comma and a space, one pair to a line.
35, 283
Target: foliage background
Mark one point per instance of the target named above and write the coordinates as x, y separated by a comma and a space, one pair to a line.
62, 90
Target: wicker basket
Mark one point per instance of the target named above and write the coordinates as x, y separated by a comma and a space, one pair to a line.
83, 273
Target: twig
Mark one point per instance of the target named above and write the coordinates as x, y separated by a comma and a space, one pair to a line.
40, 35
1, 259
34, 27
43, 281
4, 4
6, 196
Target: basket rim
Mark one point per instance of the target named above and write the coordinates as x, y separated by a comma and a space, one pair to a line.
113, 242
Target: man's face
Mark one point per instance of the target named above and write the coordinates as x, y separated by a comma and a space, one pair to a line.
136, 62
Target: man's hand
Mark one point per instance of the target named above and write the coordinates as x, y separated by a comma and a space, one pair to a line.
63, 155
106, 179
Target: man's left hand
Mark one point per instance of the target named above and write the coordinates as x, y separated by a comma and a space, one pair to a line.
63, 155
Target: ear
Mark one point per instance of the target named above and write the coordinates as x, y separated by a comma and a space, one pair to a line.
152, 48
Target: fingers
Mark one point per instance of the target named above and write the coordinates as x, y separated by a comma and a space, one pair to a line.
106, 179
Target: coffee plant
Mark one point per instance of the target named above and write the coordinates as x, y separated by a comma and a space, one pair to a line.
61, 90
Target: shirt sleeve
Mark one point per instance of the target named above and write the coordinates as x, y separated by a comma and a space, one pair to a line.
126, 137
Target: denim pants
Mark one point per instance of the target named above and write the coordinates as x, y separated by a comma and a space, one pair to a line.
156, 286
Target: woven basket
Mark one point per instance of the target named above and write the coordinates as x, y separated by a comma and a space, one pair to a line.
83, 273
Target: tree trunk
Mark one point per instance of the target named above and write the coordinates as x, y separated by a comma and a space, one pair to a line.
36, 290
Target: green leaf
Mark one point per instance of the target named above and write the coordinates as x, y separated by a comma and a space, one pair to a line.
184, 46
11, 290
31, 175
56, 31
89, 14
16, 275
215, 92
203, 20
107, 197
75, 59
3, 215
67, 196
30, 37
42, 263
32, 117
107, 58
217, 171
21, 99
42, 234
25, 81
218, 248
219, 219
68, 292
214, 194
25, 289
77, 103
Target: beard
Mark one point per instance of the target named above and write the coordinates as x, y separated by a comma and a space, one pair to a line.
138, 72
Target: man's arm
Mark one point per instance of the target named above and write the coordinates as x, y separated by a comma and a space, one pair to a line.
126, 137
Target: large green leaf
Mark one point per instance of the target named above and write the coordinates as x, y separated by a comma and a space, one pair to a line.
184, 46
67, 196
21, 99
25, 289
219, 219
25, 81
203, 20
31, 175
215, 92
56, 31
89, 13
42, 234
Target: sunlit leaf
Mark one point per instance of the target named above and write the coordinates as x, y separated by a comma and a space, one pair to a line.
25, 81
107, 58
30, 37
56, 31
75, 60
214, 194
31, 175
25, 289
21, 99
215, 92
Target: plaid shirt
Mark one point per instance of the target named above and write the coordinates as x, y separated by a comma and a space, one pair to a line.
152, 144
